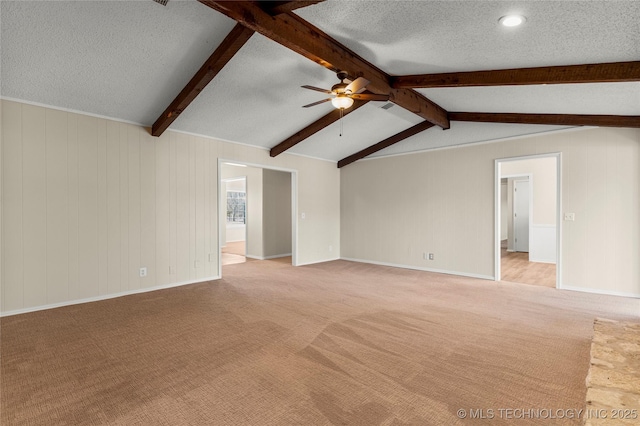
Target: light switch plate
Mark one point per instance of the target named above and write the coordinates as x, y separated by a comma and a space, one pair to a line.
570, 216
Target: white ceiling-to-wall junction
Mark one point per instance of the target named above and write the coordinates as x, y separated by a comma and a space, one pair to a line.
129, 59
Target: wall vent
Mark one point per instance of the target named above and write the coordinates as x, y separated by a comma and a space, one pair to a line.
162, 2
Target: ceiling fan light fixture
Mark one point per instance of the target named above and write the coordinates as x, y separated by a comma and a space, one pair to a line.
512, 20
342, 102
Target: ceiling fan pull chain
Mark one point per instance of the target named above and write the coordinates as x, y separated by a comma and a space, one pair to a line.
341, 126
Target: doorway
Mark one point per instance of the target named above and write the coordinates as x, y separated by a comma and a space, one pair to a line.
257, 213
527, 222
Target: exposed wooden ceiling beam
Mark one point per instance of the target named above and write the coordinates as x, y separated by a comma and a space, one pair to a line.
277, 7
300, 36
385, 143
312, 128
550, 119
589, 73
238, 36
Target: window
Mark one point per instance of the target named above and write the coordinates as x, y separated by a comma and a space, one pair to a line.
236, 206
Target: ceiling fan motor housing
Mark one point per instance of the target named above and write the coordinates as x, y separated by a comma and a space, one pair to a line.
338, 88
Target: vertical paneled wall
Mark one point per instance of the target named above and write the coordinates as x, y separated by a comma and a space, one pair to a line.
87, 202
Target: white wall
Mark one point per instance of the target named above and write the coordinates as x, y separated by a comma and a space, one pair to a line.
88, 201
234, 233
448, 199
255, 239
504, 211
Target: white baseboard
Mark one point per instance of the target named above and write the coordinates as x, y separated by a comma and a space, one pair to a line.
275, 256
420, 268
603, 292
104, 297
551, 262
333, 259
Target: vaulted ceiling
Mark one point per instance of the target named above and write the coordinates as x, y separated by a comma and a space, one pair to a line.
141, 62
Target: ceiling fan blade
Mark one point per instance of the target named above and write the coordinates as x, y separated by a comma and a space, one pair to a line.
317, 89
316, 103
369, 97
357, 85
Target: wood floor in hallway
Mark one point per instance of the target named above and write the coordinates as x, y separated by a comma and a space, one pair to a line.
234, 252
515, 267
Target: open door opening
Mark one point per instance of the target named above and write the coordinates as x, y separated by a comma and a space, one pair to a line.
257, 219
528, 220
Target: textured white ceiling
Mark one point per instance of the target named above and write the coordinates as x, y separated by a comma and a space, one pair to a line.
129, 59
257, 98
417, 37
126, 60
601, 98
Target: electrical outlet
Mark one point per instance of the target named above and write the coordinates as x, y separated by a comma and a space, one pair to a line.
303, 215
172, 270
143, 272
570, 216
330, 248
212, 257
430, 256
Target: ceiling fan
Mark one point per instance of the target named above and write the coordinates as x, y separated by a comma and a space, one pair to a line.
343, 94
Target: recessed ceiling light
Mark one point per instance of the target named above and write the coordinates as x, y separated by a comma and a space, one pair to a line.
512, 20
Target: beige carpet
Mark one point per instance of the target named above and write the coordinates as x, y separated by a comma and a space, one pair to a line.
337, 343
